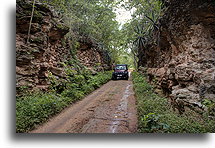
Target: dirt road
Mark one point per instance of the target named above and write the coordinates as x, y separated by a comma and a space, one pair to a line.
109, 109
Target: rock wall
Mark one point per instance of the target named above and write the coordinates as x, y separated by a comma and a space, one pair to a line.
92, 56
47, 49
181, 61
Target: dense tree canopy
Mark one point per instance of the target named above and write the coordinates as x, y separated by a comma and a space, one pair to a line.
96, 19
138, 30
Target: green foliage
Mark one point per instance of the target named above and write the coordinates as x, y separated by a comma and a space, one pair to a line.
99, 79
150, 123
139, 30
36, 108
22, 89
155, 115
94, 19
210, 105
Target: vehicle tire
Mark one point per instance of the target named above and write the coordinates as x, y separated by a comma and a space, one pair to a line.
113, 77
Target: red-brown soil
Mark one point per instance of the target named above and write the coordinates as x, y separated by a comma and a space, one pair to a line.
109, 109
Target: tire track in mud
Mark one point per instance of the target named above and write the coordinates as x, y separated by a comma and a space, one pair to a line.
109, 109
121, 113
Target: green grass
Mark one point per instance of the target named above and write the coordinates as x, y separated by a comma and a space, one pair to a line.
34, 109
155, 114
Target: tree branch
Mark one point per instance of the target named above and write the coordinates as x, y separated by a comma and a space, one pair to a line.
29, 29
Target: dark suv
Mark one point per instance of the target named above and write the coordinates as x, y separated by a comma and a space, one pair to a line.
120, 71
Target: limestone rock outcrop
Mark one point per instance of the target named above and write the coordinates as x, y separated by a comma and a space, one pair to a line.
48, 48
45, 49
92, 55
181, 60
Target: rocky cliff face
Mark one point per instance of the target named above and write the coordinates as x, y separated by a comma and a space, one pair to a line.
47, 49
92, 55
182, 61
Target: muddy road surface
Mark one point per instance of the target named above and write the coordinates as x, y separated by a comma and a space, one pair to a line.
109, 109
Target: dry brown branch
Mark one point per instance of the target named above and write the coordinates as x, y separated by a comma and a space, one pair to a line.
29, 29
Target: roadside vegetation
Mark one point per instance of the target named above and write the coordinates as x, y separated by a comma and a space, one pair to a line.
156, 116
96, 20
91, 19
35, 108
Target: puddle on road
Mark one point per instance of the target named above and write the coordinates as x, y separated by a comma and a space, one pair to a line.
121, 113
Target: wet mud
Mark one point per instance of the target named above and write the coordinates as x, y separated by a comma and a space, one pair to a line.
109, 109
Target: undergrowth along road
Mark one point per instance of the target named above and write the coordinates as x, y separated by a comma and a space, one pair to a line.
35, 108
156, 116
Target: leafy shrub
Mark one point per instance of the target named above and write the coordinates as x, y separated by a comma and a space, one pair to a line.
210, 107
150, 123
87, 88
155, 115
34, 109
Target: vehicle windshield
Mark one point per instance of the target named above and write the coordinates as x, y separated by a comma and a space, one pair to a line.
120, 67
